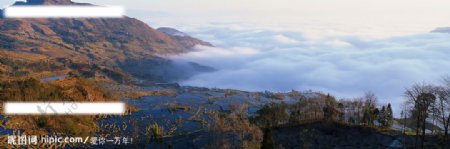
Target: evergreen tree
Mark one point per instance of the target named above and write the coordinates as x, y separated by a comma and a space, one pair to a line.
386, 118
330, 111
390, 115
382, 117
370, 115
375, 115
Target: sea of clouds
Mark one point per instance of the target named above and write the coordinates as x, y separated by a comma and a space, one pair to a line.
345, 66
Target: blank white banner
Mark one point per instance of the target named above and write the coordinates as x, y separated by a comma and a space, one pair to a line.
63, 12
63, 108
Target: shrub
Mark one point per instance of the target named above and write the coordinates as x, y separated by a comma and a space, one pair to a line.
155, 133
42, 122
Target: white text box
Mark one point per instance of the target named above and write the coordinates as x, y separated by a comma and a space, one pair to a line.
63, 12
63, 108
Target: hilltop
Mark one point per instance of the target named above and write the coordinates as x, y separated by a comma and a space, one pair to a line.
110, 43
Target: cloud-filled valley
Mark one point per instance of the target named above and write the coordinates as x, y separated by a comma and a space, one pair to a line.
346, 66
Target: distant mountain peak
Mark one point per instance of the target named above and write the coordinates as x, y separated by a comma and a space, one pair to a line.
441, 30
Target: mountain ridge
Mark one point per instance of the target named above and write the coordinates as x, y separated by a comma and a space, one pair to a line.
109, 42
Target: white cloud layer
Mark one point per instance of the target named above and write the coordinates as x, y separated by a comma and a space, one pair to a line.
284, 39
345, 66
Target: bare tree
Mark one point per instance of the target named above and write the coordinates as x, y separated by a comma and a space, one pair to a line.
359, 103
370, 103
405, 114
422, 96
443, 106
371, 99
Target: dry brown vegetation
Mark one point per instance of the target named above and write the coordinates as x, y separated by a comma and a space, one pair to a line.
136, 92
234, 130
67, 89
230, 92
139, 94
21, 64
174, 107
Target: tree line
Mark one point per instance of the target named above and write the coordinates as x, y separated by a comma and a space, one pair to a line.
427, 106
359, 111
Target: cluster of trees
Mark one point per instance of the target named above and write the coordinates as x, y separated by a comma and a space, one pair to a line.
360, 111
386, 116
429, 103
427, 106
366, 111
